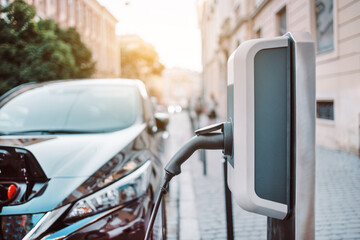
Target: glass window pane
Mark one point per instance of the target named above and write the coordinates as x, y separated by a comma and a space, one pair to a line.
325, 109
281, 16
85, 108
324, 25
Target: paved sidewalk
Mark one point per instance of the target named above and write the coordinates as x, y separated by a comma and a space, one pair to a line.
209, 191
182, 218
337, 200
200, 199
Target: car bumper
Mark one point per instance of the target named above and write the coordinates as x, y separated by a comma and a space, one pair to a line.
128, 222
123, 222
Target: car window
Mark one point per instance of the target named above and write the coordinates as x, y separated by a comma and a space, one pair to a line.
81, 108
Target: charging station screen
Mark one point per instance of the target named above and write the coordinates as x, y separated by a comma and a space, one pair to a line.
272, 124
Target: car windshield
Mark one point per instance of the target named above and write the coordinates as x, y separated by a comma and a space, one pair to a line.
71, 108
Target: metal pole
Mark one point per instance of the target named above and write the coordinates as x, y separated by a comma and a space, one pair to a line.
300, 224
203, 159
228, 204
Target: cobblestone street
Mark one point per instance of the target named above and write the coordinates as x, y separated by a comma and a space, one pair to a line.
196, 208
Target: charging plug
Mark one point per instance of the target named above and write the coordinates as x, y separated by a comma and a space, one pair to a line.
206, 138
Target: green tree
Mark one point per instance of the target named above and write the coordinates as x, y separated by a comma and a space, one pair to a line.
37, 51
139, 60
84, 67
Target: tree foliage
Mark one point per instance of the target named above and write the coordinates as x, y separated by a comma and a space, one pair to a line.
38, 50
139, 59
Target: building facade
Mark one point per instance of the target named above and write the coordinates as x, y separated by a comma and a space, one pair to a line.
95, 24
140, 60
181, 86
335, 27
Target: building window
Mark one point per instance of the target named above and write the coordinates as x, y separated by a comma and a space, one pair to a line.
41, 6
324, 25
78, 12
325, 109
71, 9
62, 5
281, 22
258, 33
86, 18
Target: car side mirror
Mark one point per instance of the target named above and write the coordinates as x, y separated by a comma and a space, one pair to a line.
162, 120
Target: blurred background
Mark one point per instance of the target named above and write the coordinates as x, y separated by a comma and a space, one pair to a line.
179, 49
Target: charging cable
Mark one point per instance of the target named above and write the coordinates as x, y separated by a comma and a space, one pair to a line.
206, 138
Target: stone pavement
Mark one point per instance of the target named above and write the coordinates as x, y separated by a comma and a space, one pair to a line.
337, 200
181, 212
197, 208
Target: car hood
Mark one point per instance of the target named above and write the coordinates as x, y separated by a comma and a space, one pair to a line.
74, 155
68, 161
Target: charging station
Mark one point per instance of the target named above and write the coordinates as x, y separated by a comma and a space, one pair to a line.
271, 105
258, 175
269, 138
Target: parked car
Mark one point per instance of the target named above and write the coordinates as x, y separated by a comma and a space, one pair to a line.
79, 159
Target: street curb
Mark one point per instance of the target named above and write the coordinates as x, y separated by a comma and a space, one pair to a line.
189, 225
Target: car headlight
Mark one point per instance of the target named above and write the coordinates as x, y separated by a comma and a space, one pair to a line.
124, 190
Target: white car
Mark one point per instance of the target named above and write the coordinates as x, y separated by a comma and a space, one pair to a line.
79, 159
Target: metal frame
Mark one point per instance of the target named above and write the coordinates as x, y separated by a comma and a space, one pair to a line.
303, 51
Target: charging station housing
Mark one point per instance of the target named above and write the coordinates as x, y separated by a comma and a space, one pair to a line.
271, 105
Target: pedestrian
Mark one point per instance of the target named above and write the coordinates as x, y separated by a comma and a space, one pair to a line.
212, 113
198, 110
191, 112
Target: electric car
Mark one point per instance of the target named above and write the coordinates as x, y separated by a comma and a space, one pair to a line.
79, 159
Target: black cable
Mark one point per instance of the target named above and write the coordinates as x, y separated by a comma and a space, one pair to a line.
204, 141
163, 191
163, 220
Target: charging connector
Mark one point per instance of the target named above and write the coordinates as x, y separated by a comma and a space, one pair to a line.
206, 141
206, 138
